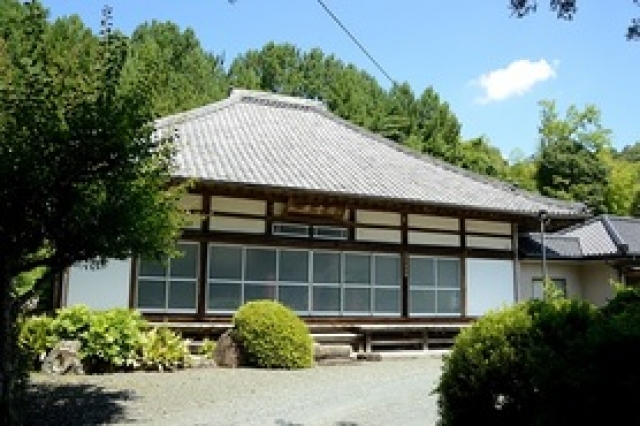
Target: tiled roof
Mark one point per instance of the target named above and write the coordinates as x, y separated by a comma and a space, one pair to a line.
627, 230
594, 237
557, 246
264, 139
601, 236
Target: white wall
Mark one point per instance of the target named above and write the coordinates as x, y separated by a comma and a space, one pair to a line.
488, 227
585, 280
377, 234
377, 218
433, 222
489, 285
102, 288
596, 280
532, 269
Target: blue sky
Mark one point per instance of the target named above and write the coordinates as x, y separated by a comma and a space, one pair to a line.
491, 68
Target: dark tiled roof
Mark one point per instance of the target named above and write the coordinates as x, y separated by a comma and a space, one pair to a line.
600, 236
264, 139
628, 230
557, 246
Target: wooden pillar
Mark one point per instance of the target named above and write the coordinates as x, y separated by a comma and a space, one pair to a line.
133, 282
352, 225
204, 258
404, 262
463, 268
516, 262
269, 219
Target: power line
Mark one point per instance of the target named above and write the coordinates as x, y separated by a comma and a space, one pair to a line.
355, 40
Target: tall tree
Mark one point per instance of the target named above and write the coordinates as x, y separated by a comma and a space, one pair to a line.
479, 156
522, 170
183, 75
623, 186
399, 120
82, 177
570, 165
438, 127
630, 153
274, 68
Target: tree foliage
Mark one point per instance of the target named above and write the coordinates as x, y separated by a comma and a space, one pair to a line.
570, 164
182, 74
83, 178
566, 9
630, 153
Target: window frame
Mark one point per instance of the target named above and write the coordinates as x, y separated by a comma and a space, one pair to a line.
436, 288
168, 280
311, 285
561, 283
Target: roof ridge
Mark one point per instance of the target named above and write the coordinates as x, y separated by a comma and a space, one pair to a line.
195, 113
276, 99
242, 95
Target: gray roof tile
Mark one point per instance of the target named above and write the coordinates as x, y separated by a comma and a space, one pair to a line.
600, 236
271, 140
557, 246
627, 229
594, 237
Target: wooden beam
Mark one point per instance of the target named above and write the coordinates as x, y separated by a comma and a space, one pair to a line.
463, 268
404, 264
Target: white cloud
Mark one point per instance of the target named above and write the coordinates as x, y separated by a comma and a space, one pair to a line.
515, 79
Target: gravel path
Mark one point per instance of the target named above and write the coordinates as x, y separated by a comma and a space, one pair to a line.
389, 392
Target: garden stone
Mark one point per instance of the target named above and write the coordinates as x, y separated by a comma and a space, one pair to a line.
228, 352
63, 358
324, 351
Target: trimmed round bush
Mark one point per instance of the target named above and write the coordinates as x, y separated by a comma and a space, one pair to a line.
614, 354
521, 365
272, 336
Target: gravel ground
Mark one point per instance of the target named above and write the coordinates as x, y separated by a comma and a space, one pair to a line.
388, 392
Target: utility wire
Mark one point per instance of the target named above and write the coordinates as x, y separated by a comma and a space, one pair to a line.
355, 40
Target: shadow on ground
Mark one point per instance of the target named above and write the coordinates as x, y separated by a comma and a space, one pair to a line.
73, 404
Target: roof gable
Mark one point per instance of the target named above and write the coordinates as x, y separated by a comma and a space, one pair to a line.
264, 139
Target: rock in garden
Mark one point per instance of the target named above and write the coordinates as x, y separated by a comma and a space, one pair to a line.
321, 352
63, 358
228, 352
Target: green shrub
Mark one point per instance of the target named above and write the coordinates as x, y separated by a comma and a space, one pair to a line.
517, 366
272, 336
162, 349
613, 354
72, 323
626, 301
35, 339
207, 348
112, 340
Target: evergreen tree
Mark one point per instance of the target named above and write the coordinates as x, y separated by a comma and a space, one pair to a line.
570, 163
183, 76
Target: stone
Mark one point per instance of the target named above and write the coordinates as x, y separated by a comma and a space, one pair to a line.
324, 352
64, 358
228, 352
